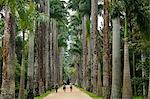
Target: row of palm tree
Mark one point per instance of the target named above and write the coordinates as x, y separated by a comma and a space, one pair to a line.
102, 64
118, 17
41, 24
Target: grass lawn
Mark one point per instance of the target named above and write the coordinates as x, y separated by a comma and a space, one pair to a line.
138, 97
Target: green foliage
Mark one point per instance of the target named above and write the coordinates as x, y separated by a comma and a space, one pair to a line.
76, 47
85, 7
62, 41
1, 27
70, 71
116, 9
138, 97
73, 4
88, 22
138, 81
145, 65
58, 10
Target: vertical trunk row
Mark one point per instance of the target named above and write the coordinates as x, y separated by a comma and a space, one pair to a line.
149, 84
51, 54
55, 51
134, 75
22, 76
84, 63
41, 52
36, 62
46, 53
89, 65
116, 60
61, 58
31, 68
40, 59
127, 88
94, 34
106, 54
8, 82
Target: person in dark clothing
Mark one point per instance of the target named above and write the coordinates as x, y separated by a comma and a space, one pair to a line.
70, 87
64, 88
56, 87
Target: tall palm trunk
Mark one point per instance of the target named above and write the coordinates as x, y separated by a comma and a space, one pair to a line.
22, 76
40, 52
61, 59
127, 88
51, 55
8, 77
89, 64
94, 34
47, 74
149, 85
31, 68
85, 53
134, 75
55, 51
116, 61
143, 76
36, 47
106, 55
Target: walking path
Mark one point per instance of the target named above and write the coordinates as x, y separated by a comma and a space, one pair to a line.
75, 94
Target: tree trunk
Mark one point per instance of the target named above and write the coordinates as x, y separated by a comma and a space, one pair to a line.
36, 88
51, 55
55, 51
134, 86
9, 60
149, 85
61, 59
89, 64
143, 76
46, 54
22, 76
85, 53
41, 50
106, 55
116, 60
127, 89
30, 71
99, 83
94, 34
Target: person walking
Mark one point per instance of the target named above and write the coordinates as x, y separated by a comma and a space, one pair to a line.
64, 88
70, 87
56, 88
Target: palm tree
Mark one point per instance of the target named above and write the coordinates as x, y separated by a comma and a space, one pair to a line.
46, 53
106, 55
127, 89
22, 76
8, 83
116, 57
30, 72
58, 14
133, 7
94, 40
